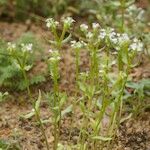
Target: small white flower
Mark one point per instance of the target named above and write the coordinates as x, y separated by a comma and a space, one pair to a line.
133, 46
58, 58
111, 30
11, 45
83, 27
55, 56
135, 40
52, 59
102, 34
29, 47
26, 47
50, 50
113, 37
89, 35
118, 34
137, 45
68, 21
51, 23
111, 34
77, 45
114, 40
123, 38
95, 26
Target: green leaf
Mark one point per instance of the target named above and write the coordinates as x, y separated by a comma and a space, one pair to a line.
124, 55
37, 103
82, 87
28, 67
66, 39
126, 118
28, 116
62, 100
37, 79
82, 107
67, 110
115, 4
56, 108
102, 138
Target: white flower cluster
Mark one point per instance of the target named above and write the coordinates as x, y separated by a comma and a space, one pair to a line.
11, 46
102, 34
89, 35
24, 47
110, 34
137, 45
27, 47
95, 26
115, 38
84, 27
123, 38
68, 22
55, 56
51, 23
77, 45
120, 39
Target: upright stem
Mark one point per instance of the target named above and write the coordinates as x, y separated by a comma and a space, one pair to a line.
57, 123
55, 134
104, 97
122, 2
42, 129
26, 81
76, 92
77, 64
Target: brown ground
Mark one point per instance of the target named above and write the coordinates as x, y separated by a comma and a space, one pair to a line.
134, 134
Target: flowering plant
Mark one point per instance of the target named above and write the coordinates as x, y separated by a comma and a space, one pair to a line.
59, 40
97, 91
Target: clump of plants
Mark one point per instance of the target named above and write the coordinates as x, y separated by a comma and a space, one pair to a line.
99, 91
137, 99
16, 59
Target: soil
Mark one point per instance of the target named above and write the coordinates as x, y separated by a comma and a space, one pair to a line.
134, 134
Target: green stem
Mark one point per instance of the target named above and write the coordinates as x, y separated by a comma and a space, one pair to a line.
59, 40
42, 128
82, 132
26, 81
63, 34
22, 66
77, 65
76, 92
57, 123
122, 2
104, 96
55, 134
